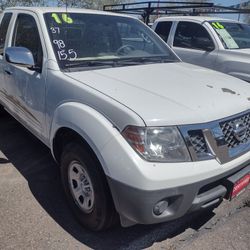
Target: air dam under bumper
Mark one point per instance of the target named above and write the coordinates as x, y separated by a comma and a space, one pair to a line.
139, 206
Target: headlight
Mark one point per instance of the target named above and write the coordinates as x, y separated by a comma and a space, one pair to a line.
157, 144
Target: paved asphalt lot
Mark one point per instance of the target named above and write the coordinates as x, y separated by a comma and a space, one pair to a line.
34, 214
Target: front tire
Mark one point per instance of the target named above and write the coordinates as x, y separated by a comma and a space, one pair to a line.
86, 188
2, 110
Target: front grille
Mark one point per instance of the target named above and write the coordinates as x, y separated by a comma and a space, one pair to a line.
198, 141
228, 128
223, 140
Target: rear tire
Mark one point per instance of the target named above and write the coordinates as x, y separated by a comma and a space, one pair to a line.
86, 188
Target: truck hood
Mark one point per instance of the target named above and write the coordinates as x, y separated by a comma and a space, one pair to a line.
171, 93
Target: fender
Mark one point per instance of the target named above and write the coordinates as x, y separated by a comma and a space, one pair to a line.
238, 69
94, 128
240, 75
236, 64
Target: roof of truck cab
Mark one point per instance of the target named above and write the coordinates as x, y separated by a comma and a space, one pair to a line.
193, 18
42, 10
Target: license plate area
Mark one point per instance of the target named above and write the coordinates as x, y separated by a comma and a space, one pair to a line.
237, 183
240, 186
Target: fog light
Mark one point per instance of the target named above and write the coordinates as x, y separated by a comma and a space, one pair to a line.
160, 207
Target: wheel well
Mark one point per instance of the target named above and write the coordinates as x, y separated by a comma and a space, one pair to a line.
64, 136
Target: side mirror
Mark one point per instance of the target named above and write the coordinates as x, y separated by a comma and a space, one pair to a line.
20, 56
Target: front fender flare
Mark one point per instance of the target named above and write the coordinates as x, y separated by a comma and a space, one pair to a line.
92, 126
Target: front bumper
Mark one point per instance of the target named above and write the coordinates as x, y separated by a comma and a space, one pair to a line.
136, 206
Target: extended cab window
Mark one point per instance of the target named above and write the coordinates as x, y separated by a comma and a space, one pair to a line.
3, 30
192, 36
163, 30
26, 35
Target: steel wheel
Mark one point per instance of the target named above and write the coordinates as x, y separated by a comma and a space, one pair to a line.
81, 186
86, 188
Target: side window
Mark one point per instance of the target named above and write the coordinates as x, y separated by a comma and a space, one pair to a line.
163, 30
3, 30
26, 35
193, 36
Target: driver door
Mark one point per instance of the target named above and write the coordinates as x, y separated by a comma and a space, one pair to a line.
26, 87
193, 44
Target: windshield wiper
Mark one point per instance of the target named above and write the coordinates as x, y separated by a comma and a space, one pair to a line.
91, 63
147, 59
119, 62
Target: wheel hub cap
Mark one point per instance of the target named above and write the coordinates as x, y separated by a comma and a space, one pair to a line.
81, 186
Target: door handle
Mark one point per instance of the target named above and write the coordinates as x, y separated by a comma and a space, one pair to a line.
8, 72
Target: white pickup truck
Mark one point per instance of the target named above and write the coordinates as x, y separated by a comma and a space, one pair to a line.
216, 43
136, 132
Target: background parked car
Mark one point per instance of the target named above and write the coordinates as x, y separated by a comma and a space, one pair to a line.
215, 43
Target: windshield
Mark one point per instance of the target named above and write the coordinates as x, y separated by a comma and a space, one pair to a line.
100, 40
233, 35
